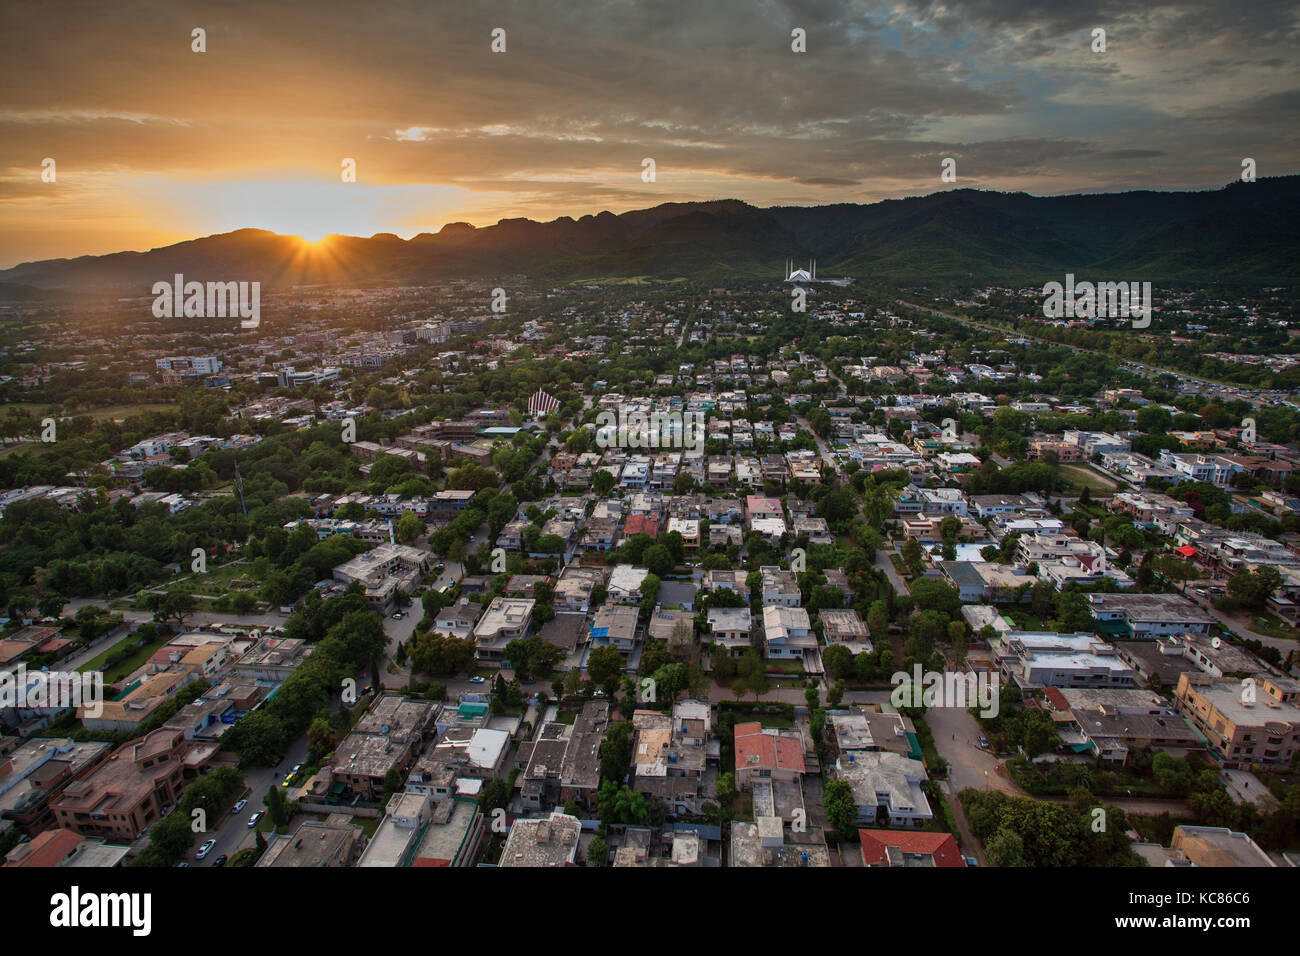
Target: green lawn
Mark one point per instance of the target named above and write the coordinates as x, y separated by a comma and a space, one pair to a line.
118, 671
97, 662
1084, 477
217, 581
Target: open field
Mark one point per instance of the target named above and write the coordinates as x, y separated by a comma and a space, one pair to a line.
117, 412
1084, 477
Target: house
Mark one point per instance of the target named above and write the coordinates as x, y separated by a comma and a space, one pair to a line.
727, 581
767, 754
1039, 659
766, 843
816, 529
1113, 723
615, 625
573, 590
729, 629
886, 788
128, 792
885, 848
668, 761
985, 581
552, 841
780, 587
758, 507
625, 584
688, 528
457, 620
383, 571
724, 535
387, 738
845, 627
666, 624
863, 729
1217, 846
505, 620
332, 842
65, 848
1244, 723
1145, 616
678, 594
788, 633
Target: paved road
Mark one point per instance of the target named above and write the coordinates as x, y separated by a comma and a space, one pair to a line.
822, 448
1233, 623
956, 737
896, 579
233, 834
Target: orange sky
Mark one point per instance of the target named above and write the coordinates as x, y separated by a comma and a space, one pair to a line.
155, 143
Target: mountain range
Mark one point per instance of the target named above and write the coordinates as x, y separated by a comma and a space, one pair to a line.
1243, 233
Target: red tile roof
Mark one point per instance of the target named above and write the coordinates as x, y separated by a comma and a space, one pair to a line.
941, 846
642, 524
50, 848
1056, 698
772, 752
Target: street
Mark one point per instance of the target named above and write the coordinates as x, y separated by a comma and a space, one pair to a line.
234, 834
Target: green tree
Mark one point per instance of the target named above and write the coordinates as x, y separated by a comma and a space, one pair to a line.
605, 666
277, 806
841, 811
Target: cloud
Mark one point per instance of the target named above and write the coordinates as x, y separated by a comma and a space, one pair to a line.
559, 123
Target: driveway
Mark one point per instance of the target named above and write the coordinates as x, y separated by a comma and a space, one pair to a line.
891, 572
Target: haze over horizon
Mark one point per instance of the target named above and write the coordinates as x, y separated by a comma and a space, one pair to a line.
252, 132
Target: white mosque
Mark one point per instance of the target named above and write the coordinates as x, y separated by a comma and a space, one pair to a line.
805, 276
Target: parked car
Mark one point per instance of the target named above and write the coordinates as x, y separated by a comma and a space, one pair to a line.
221, 860
239, 806
984, 743
972, 861
252, 821
398, 615
205, 849
478, 680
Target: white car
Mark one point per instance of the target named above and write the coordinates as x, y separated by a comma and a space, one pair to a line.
478, 680
205, 849
239, 806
